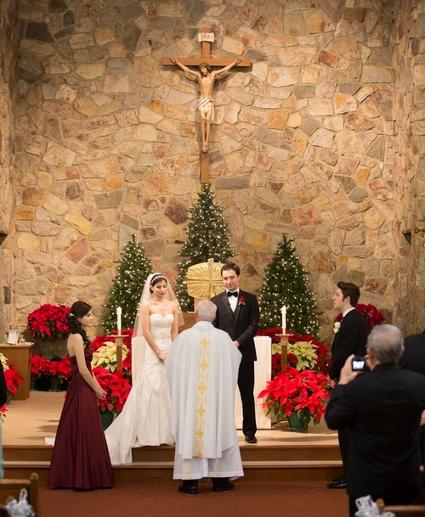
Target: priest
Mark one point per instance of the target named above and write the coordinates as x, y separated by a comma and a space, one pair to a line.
202, 368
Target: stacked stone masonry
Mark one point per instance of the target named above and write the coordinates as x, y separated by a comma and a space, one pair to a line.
324, 139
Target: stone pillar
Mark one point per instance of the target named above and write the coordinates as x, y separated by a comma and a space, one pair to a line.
8, 47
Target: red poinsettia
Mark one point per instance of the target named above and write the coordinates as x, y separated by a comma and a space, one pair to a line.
370, 313
294, 391
41, 366
49, 321
13, 380
117, 388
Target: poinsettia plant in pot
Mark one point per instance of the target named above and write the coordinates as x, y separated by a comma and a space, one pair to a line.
49, 321
117, 388
13, 380
300, 396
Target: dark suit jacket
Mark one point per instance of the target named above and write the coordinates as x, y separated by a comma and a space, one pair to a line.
350, 339
382, 410
413, 357
242, 324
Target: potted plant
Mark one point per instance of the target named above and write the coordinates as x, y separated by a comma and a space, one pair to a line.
297, 395
117, 388
48, 326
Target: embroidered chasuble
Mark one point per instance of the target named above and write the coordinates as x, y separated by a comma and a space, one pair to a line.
202, 368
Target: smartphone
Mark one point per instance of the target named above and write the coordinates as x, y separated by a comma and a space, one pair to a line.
358, 364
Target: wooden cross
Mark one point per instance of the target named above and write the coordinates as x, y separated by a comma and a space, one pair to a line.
206, 39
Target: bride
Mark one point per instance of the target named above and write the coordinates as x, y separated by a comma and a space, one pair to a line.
146, 415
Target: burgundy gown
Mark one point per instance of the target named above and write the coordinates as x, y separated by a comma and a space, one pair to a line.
80, 458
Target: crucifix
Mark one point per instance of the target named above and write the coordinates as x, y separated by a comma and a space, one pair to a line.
206, 78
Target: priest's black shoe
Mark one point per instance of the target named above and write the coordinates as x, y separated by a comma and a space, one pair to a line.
250, 438
337, 483
222, 484
189, 486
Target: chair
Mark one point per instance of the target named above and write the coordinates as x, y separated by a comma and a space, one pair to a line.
12, 488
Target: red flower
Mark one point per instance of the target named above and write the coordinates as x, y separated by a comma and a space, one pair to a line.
242, 300
117, 388
293, 391
49, 321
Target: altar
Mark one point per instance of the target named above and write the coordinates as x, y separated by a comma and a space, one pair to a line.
262, 374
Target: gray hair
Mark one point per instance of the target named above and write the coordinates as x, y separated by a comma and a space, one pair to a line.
206, 311
387, 343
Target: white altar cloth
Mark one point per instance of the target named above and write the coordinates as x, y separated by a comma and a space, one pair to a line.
262, 372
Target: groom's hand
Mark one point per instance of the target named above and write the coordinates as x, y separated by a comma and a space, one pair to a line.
237, 344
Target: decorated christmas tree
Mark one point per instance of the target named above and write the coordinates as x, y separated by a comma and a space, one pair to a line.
207, 237
286, 283
132, 272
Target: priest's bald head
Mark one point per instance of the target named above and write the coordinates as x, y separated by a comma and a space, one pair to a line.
206, 311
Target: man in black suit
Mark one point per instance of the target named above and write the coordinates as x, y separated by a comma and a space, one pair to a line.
382, 410
413, 359
238, 314
350, 338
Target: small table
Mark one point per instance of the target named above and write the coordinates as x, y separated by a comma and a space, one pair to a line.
20, 357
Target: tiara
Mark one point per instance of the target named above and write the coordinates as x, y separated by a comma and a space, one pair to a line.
157, 276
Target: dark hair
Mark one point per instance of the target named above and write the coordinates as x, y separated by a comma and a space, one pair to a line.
79, 309
231, 266
156, 278
350, 290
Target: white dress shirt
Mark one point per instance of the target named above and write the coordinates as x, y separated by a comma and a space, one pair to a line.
233, 300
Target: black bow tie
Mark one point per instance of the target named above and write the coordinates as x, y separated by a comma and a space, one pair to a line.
234, 293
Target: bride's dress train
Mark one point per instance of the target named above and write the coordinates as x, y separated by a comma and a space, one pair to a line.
146, 416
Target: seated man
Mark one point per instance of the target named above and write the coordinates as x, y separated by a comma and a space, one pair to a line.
202, 369
382, 410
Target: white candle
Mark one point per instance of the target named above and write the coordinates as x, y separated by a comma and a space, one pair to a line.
119, 314
283, 311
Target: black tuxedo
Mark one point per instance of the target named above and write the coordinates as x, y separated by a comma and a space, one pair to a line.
350, 339
381, 410
242, 326
413, 359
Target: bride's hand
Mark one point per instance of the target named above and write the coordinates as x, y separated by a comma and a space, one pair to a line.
161, 356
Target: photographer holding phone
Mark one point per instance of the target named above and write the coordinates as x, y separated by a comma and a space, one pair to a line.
350, 338
382, 411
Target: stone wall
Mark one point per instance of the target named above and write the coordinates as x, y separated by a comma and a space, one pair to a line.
308, 142
8, 46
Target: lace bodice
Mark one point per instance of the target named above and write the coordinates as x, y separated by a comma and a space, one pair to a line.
161, 326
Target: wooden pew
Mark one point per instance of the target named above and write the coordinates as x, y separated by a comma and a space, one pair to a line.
12, 488
406, 510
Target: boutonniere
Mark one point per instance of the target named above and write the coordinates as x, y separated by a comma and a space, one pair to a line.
242, 300
337, 326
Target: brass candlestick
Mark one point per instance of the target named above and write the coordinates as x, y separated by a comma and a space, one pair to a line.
118, 344
284, 342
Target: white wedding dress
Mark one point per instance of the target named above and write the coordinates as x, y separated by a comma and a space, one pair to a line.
146, 416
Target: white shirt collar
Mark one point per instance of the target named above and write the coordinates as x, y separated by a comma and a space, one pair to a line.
347, 311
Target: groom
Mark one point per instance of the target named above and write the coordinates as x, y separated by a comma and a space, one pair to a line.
238, 314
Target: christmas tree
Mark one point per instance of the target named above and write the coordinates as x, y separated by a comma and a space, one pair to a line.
132, 273
286, 283
207, 237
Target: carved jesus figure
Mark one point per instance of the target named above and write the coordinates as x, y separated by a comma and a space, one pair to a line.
206, 79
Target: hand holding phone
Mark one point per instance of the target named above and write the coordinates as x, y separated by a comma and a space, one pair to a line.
358, 364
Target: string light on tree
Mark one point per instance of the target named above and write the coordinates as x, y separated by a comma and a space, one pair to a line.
286, 284
207, 237
132, 272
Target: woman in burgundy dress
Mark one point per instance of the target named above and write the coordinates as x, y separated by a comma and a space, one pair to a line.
80, 458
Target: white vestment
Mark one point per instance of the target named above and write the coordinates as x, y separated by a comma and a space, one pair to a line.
202, 368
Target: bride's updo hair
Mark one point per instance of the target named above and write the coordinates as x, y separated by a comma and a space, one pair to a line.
79, 309
156, 278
